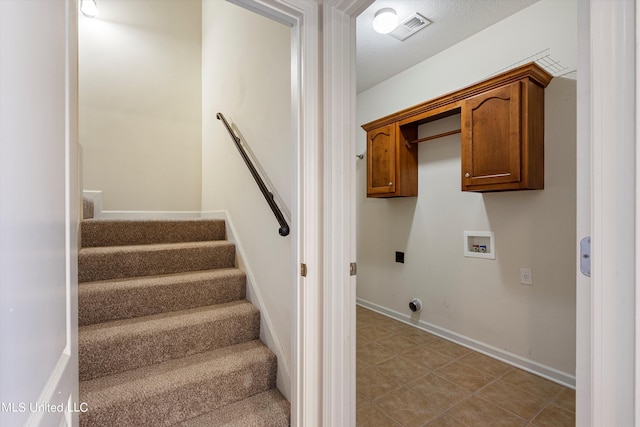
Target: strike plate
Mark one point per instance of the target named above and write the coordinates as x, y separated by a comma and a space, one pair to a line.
585, 256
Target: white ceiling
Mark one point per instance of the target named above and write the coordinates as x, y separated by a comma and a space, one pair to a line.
381, 56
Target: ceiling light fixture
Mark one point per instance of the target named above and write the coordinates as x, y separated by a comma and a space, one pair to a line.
89, 8
385, 20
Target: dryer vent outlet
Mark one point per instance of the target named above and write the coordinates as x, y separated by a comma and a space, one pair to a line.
415, 305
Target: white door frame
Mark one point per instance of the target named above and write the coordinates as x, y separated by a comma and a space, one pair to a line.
607, 379
339, 216
323, 104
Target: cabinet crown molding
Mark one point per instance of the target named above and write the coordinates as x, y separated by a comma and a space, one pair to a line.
451, 102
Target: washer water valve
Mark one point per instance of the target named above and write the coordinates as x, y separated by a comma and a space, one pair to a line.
415, 305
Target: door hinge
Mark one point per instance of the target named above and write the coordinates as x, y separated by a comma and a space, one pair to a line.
353, 269
303, 269
585, 256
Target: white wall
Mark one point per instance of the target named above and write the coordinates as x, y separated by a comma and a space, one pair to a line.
140, 104
246, 64
38, 211
481, 300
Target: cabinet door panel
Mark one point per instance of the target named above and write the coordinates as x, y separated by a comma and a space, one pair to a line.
381, 158
491, 146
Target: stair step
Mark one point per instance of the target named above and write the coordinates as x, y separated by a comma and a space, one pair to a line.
107, 348
108, 300
116, 262
180, 389
101, 232
267, 409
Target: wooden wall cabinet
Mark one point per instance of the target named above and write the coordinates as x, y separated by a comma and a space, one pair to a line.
502, 126
392, 165
503, 138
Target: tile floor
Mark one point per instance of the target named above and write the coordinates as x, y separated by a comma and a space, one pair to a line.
407, 377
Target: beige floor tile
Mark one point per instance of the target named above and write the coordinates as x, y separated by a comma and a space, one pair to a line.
362, 323
386, 322
361, 401
437, 390
409, 409
426, 358
513, 399
555, 416
409, 377
566, 400
374, 332
417, 336
448, 348
371, 384
464, 376
372, 353
401, 369
532, 383
479, 413
396, 343
369, 416
446, 421
485, 364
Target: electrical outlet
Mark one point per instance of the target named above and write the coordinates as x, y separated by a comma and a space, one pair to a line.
525, 276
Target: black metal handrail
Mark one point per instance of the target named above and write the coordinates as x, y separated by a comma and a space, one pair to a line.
268, 195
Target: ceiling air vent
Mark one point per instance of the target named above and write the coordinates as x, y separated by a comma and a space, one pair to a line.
410, 26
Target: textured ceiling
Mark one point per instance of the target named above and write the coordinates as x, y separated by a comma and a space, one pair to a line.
381, 56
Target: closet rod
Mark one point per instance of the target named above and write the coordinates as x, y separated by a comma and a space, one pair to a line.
440, 135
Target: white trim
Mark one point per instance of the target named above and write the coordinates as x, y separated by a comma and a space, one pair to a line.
59, 380
636, 400
283, 378
66, 383
583, 220
306, 220
339, 240
520, 362
613, 176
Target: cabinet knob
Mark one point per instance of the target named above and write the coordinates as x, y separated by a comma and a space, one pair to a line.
390, 183
466, 175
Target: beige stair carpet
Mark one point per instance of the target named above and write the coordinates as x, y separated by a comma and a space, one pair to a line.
166, 335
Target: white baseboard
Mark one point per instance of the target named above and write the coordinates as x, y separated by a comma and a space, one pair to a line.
98, 213
283, 376
149, 215
501, 355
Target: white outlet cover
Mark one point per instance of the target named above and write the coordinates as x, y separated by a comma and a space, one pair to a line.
525, 276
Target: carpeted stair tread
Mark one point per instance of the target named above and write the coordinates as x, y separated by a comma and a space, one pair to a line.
115, 262
109, 232
179, 389
166, 335
120, 345
267, 409
108, 300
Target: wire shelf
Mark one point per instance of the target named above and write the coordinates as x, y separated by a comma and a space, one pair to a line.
543, 59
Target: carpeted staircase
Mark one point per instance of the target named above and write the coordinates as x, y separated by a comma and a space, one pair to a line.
166, 336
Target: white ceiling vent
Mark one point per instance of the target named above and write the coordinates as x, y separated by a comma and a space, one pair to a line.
410, 26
